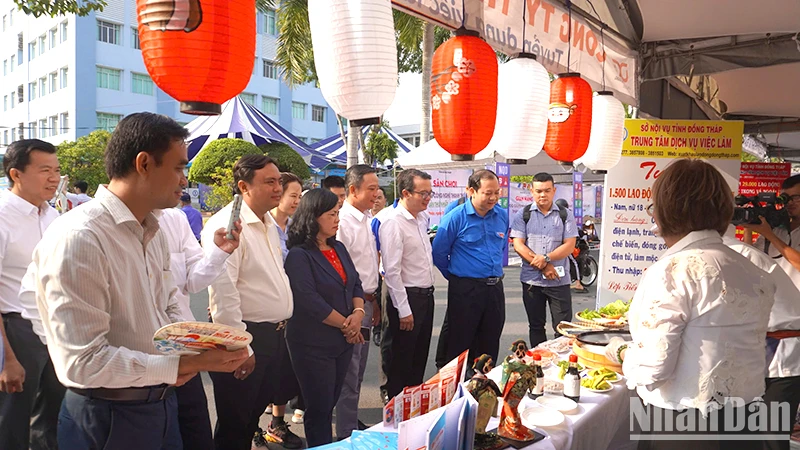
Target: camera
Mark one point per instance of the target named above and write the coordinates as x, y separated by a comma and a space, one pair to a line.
748, 210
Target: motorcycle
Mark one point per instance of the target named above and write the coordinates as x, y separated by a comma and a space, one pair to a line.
587, 265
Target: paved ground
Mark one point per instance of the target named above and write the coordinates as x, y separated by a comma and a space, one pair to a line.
370, 405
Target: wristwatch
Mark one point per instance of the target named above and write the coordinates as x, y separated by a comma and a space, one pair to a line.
547, 258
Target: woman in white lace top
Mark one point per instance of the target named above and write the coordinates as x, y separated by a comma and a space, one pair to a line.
699, 317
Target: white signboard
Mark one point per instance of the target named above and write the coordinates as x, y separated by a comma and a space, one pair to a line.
448, 185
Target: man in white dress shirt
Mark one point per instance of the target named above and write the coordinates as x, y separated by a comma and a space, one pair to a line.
30, 394
355, 232
104, 287
253, 294
79, 195
408, 265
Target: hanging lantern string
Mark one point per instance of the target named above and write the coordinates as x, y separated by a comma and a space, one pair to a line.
524, 23
569, 35
603, 44
464, 13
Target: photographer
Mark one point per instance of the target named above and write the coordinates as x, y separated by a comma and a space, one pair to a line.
783, 347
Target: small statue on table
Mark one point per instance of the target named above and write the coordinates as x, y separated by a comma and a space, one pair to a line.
486, 392
518, 350
520, 378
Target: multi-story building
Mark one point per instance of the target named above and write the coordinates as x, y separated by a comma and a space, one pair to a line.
67, 76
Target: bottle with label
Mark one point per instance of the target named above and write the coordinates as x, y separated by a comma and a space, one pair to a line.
572, 380
537, 390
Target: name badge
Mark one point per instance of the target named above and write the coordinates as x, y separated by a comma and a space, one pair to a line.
501, 235
560, 271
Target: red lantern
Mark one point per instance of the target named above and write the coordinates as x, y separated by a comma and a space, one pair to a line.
464, 94
200, 52
569, 119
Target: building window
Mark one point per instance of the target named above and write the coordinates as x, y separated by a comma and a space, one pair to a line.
32, 91
5, 103
31, 50
63, 77
5, 22
270, 69
11, 18
32, 130
108, 122
53, 82
42, 86
5, 67
269, 105
63, 31
43, 128
13, 60
53, 37
13, 95
42, 44
141, 84
53, 126
344, 121
5, 137
108, 78
314, 140
298, 111
250, 99
108, 32
135, 38
64, 119
269, 23
317, 113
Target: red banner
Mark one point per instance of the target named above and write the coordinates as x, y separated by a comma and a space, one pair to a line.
760, 177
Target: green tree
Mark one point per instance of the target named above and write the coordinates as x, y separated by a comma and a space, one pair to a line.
220, 154
221, 188
379, 147
287, 159
83, 159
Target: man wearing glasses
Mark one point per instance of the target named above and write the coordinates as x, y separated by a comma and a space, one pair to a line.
783, 377
468, 250
408, 266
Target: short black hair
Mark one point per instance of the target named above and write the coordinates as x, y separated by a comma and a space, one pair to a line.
289, 177
355, 175
245, 169
18, 155
82, 186
304, 227
333, 181
482, 174
140, 132
543, 177
405, 180
791, 182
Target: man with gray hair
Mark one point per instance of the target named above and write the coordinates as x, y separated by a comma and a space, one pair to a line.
355, 218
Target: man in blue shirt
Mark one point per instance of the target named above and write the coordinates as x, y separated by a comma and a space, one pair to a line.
468, 250
544, 241
193, 215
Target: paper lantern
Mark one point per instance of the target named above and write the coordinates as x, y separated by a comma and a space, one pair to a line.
464, 94
605, 141
569, 118
355, 55
523, 95
198, 52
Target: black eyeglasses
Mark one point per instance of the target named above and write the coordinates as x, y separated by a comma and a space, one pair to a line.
425, 194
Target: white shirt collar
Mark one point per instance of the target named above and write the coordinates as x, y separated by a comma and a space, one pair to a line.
404, 212
692, 238
347, 208
24, 206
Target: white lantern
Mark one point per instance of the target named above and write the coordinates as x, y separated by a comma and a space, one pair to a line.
522, 100
605, 140
355, 55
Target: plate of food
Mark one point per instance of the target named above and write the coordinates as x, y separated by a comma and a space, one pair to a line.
537, 416
547, 355
597, 382
553, 387
563, 365
559, 403
191, 338
562, 344
609, 375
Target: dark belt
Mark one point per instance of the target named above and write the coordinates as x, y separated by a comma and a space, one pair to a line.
148, 394
14, 315
491, 281
370, 297
420, 291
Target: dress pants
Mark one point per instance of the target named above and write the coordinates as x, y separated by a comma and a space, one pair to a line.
94, 424
476, 314
28, 419
193, 419
404, 354
441, 345
782, 390
347, 405
536, 299
321, 374
240, 403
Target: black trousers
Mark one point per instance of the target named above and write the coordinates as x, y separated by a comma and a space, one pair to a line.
193, 419
782, 390
240, 403
536, 299
404, 354
441, 345
476, 314
94, 424
28, 419
321, 376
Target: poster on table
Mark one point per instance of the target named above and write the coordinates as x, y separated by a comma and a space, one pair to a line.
448, 185
758, 177
628, 245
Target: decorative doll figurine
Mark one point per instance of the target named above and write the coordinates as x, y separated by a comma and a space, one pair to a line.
518, 350
521, 378
486, 392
